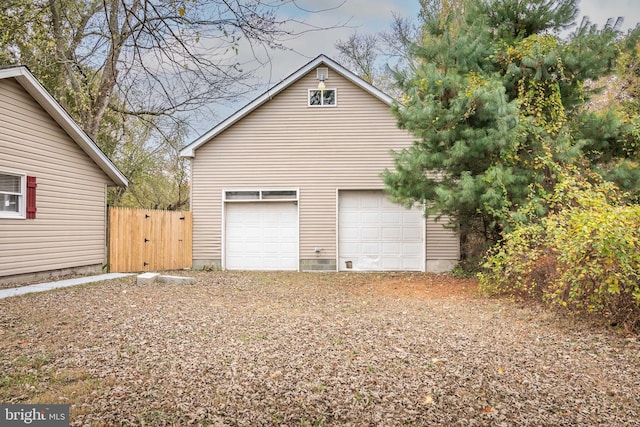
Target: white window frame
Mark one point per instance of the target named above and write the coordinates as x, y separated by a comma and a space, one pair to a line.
250, 195
22, 197
322, 105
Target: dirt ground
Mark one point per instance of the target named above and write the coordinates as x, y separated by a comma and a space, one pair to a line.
430, 286
296, 349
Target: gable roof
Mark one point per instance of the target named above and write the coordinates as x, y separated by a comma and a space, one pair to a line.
24, 77
189, 150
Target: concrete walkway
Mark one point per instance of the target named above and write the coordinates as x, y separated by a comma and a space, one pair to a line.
41, 287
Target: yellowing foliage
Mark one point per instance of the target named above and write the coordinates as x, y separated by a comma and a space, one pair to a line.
584, 257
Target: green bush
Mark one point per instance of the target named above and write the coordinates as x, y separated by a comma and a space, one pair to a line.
584, 256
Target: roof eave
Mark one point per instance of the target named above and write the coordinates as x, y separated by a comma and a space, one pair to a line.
189, 150
24, 77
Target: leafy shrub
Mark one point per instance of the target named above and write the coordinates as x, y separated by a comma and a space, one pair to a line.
598, 258
512, 266
584, 256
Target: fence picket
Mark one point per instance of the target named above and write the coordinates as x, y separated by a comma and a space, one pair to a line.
149, 240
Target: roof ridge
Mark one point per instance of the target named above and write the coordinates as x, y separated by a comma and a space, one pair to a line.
189, 149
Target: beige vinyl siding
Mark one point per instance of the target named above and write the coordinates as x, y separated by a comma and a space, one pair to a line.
69, 229
285, 143
442, 242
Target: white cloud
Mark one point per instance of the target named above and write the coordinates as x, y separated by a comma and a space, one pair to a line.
599, 11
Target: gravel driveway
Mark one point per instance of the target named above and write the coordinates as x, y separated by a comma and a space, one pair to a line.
249, 349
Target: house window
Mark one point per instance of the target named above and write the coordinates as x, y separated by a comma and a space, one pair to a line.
322, 98
261, 195
280, 195
13, 189
242, 195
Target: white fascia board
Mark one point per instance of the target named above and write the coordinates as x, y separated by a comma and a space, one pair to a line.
55, 110
355, 79
189, 150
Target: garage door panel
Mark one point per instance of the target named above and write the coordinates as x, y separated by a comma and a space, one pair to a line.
377, 235
271, 218
290, 233
390, 248
261, 236
392, 218
369, 218
370, 233
369, 201
270, 233
278, 249
365, 263
392, 264
351, 233
351, 248
409, 264
289, 249
411, 248
412, 234
271, 248
347, 204
391, 233
370, 248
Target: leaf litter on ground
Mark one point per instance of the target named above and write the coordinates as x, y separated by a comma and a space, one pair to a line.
246, 349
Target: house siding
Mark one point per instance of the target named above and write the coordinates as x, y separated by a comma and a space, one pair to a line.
69, 229
442, 251
286, 144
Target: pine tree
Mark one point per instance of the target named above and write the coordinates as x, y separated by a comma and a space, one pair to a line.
498, 108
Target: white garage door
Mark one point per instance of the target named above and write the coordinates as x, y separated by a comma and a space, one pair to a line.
377, 235
261, 236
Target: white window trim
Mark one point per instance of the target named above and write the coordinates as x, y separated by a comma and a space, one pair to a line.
22, 197
261, 196
335, 104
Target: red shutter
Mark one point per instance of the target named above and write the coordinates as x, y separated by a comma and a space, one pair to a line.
31, 197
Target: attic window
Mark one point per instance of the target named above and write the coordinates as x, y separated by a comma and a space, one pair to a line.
322, 73
322, 98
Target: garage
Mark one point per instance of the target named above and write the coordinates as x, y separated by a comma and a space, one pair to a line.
377, 235
261, 235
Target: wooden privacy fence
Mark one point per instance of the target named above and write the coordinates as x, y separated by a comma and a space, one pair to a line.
149, 240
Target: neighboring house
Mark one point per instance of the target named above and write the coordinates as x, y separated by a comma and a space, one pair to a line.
292, 181
53, 185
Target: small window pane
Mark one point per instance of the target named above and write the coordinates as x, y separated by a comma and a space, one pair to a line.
329, 97
279, 194
315, 97
9, 184
242, 195
9, 203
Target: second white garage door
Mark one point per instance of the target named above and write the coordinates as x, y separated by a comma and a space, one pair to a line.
261, 236
377, 235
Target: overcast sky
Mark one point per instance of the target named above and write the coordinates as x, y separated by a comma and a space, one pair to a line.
369, 16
